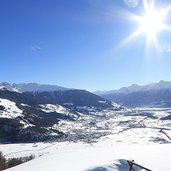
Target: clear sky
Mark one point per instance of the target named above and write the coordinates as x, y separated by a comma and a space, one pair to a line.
81, 43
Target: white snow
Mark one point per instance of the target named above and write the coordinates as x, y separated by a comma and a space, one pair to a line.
30, 87
134, 88
53, 108
11, 110
104, 102
1, 87
115, 105
143, 138
48, 108
108, 155
22, 104
8, 86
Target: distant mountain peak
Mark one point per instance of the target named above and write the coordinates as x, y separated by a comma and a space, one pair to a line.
154, 94
136, 88
30, 87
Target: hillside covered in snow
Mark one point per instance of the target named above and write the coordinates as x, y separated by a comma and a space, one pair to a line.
79, 131
141, 136
150, 95
49, 115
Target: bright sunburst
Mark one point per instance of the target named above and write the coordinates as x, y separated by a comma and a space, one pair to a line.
153, 19
151, 23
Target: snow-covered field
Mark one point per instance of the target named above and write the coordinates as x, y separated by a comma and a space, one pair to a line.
140, 135
105, 155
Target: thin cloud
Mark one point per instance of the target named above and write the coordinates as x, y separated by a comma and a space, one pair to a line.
169, 50
132, 3
36, 48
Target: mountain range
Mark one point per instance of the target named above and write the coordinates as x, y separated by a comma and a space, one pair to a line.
150, 95
30, 87
33, 112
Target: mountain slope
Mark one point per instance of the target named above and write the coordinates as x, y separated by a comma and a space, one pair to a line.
73, 98
151, 95
30, 87
40, 116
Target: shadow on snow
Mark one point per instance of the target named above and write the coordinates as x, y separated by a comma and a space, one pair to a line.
121, 165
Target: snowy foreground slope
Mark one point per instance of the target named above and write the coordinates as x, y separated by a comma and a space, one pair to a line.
141, 134
102, 156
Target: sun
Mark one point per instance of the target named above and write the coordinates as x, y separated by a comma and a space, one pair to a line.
152, 22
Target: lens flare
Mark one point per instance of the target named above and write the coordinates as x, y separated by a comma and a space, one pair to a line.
150, 24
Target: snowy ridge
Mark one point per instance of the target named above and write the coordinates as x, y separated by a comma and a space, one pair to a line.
30, 87
48, 108
151, 95
8, 86
1, 87
9, 109
135, 88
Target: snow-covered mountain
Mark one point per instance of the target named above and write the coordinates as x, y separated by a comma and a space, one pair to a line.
151, 95
76, 125
42, 116
140, 135
30, 87
135, 87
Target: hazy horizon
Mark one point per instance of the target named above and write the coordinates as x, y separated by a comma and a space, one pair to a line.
169, 81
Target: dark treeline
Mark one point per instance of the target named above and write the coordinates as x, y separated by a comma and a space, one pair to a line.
11, 162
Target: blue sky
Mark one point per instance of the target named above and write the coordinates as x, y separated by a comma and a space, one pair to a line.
78, 44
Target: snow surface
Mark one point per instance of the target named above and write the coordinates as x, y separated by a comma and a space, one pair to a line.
11, 110
105, 155
30, 87
8, 86
48, 108
137, 134
1, 87
26, 105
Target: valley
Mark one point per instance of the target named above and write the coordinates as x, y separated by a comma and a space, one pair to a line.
80, 131
103, 141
